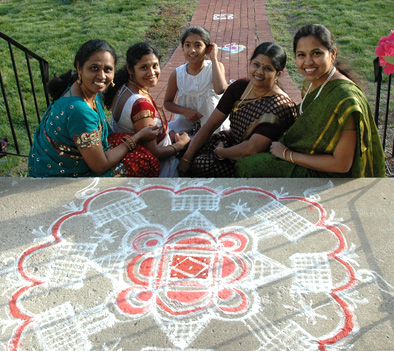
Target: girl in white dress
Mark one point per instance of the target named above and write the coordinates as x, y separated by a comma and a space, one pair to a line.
197, 85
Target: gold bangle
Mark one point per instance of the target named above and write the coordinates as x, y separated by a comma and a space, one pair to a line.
216, 155
186, 160
124, 142
291, 157
284, 153
176, 151
133, 145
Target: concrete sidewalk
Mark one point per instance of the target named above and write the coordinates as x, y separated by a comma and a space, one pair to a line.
196, 264
237, 26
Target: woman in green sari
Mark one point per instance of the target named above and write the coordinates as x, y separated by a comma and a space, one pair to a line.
335, 134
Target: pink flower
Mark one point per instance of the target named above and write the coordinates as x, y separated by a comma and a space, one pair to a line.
385, 52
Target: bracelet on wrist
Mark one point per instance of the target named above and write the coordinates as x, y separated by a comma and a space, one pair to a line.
127, 145
284, 153
186, 160
216, 155
291, 157
175, 150
129, 142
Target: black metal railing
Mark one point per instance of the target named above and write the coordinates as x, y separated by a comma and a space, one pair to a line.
26, 92
379, 80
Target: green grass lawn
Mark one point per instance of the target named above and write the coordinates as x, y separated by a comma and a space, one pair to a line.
357, 26
55, 30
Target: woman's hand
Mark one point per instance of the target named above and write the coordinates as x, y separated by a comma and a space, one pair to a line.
220, 144
182, 139
192, 115
277, 149
184, 166
147, 134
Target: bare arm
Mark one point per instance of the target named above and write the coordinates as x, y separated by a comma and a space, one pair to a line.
218, 71
170, 105
162, 152
100, 161
339, 162
200, 139
257, 143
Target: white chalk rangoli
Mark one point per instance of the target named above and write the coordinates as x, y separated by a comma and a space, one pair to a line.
233, 48
184, 272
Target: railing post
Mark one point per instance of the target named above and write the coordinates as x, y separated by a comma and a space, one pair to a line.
44, 68
388, 106
378, 79
7, 108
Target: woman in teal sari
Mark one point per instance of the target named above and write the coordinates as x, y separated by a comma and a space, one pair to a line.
335, 134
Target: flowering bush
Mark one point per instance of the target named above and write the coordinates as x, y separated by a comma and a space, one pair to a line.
385, 52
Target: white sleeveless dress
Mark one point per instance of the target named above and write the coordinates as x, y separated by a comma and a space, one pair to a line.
197, 93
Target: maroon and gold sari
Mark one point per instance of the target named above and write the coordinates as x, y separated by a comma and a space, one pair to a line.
276, 113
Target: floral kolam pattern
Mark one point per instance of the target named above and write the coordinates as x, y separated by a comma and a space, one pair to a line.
268, 265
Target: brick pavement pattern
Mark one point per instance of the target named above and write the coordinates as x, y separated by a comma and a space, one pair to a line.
239, 22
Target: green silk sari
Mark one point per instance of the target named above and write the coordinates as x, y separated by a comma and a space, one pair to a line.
317, 131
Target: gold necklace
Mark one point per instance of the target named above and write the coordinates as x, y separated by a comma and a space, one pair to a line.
92, 102
140, 88
236, 108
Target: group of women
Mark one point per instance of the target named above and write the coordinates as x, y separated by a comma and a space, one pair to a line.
331, 133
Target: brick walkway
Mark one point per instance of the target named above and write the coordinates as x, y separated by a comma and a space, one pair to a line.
242, 22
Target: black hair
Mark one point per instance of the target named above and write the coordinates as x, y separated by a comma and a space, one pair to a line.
89, 48
199, 30
319, 32
134, 54
326, 38
58, 84
275, 52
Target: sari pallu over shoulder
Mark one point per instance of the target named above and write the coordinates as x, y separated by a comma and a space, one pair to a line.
277, 110
318, 129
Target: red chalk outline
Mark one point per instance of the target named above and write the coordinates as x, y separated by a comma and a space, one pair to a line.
343, 332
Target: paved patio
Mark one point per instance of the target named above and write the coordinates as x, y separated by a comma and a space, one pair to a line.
196, 264
237, 26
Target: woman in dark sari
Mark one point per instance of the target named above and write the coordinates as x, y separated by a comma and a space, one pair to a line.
259, 113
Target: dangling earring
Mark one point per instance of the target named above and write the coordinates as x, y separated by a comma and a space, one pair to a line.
277, 77
79, 80
112, 83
